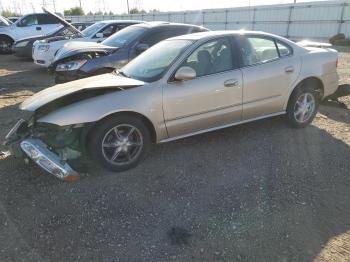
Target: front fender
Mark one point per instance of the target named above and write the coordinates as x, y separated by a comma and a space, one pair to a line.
145, 100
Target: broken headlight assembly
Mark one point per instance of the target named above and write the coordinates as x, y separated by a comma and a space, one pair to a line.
70, 66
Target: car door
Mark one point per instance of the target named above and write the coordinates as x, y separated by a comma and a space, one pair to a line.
269, 70
213, 98
46, 23
28, 26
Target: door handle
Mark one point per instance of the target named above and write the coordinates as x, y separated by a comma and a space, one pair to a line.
38, 28
289, 69
231, 83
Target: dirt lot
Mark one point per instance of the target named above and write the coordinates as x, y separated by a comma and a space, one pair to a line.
256, 192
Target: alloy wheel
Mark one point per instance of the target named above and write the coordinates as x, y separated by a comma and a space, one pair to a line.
304, 107
122, 144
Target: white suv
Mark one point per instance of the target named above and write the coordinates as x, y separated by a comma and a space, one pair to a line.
44, 50
26, 26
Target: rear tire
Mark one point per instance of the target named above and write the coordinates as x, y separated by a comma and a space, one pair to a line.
6, 45
302, 106
119, 143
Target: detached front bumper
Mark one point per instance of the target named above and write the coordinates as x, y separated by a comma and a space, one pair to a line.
39, 153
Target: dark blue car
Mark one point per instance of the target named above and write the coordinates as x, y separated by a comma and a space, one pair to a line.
78, 60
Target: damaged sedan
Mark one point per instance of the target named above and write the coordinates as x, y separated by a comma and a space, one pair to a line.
180, 87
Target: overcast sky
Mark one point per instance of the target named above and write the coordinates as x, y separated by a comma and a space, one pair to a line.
120, 6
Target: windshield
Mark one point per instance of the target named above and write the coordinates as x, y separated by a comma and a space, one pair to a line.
124, 36
153, 63
89, 31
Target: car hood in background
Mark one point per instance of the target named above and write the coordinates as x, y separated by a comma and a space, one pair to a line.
63, 22
74, 48
105, 81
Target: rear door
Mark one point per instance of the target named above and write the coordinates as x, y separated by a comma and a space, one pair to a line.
269, 69
47, 23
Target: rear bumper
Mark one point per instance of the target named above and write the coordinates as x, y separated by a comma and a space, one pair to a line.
38, 152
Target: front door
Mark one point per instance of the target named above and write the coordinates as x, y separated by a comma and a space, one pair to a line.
212, 99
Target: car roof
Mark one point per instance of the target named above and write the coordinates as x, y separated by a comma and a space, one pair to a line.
155, 24
209, 34
120, 21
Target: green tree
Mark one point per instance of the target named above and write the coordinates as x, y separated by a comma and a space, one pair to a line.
74, 11
8, 13
137, 11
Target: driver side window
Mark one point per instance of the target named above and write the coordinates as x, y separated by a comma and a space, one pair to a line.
212, 57
107, 31
29, 20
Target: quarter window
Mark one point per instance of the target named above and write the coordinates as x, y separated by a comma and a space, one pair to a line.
212, 57
283, 49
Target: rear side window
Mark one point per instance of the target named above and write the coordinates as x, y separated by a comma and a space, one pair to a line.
259, 50
155, 37
165, 33
45, 19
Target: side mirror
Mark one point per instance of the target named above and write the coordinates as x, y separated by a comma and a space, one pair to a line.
141, 48
185, 73
99, 35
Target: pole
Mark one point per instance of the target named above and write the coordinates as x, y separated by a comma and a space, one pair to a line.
80, 4
127, 2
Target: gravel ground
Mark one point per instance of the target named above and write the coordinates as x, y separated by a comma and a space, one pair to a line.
255, 192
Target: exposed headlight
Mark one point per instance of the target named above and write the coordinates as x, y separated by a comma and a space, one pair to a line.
22, 44
43, 48
72, 65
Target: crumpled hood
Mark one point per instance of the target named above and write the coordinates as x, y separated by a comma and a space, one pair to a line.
92, 83
73, 48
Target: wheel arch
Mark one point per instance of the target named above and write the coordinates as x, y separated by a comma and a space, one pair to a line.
314, 81
145, 120
7, 36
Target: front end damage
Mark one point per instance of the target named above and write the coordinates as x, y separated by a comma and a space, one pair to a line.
55, 140
51, 147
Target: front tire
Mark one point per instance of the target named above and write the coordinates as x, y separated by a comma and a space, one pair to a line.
302, 106
119, 143
5, 45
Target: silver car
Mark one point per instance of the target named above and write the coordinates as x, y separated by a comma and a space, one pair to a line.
180, 87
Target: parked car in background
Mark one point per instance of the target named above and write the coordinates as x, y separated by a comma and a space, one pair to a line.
13, 19
180, 87
82, 25
24, 47
76, 60
26, 26
45, 50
